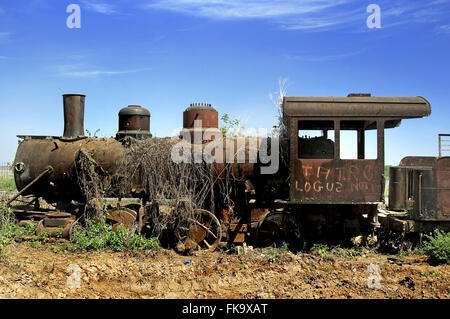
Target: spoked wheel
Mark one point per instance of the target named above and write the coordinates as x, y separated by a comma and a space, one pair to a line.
121, 216
278, 228
202, 230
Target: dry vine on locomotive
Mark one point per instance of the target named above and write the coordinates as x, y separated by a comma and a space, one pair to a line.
315, 193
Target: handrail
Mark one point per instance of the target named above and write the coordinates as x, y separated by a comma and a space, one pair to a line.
47, 170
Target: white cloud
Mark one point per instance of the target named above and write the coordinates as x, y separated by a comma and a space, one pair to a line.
232, 9
80, 70
444, 28
4, 36
332, 20
100, 7
89, 74
308, 15
321, 58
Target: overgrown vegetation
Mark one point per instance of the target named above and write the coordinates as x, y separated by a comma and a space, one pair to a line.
9, 230
148, 168
230, 127
281, 129
437, 246
7, 184
97, 234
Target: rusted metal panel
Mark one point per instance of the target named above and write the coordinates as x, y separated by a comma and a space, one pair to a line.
426, 187
397, 188
258, 214
239, 155
443, 187
204, 112
412, 187
209, 118
425, 161
34, 155
425, 207
239, 238
238, 228
420, 187
395, 107
337, 181
334, 180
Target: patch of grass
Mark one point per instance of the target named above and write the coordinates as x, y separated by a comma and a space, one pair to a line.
9, 230
319, 249
351, 252
7, 184
33, 243
386, 171
97, 234
437, 246
276, 252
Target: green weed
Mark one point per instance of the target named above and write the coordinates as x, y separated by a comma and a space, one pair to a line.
97, 234
320, 249
437, 246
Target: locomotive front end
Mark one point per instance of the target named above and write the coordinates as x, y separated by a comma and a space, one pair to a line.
45, 166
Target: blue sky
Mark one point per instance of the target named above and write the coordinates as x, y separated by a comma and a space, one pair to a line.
165, 55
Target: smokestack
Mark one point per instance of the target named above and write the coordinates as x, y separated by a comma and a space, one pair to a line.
73, 115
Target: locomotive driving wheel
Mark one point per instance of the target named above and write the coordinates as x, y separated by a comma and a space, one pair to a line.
278, 228
202, 230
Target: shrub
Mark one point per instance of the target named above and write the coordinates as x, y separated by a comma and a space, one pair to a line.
437, 246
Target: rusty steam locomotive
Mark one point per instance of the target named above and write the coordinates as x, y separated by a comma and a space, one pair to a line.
316, 193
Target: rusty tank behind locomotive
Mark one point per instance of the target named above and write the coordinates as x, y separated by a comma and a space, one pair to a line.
315, 192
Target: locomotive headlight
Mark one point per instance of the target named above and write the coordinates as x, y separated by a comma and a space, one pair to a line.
19, 167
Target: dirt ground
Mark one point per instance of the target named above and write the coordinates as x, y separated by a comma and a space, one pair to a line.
36, 270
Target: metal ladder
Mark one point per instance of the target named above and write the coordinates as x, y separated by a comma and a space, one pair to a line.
444, 144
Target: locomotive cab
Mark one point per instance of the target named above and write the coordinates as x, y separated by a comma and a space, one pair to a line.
322, 173
325, 180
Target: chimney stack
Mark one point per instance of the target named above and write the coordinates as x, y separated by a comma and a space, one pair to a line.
73, 115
